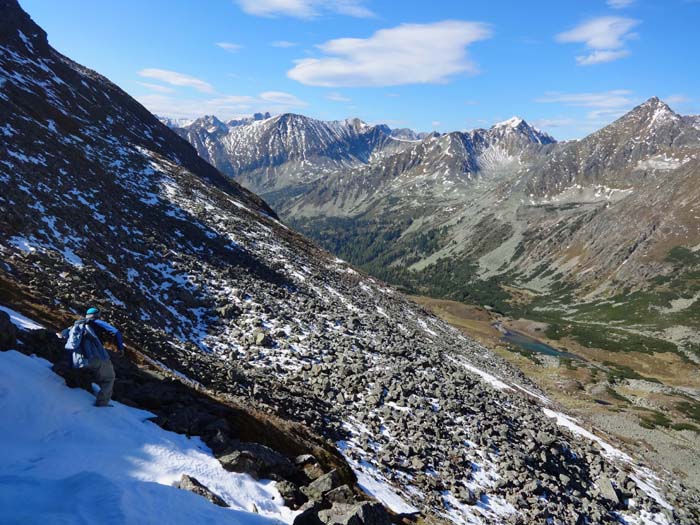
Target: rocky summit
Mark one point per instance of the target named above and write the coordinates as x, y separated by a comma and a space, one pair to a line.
101, 203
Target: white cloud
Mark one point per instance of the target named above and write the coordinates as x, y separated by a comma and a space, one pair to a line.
224, 106
600, 57
337, 97
305, 8
607, 32
545, 123
282, 98
605, 36
407, 54
157, 87
606, 99
620, 4
676, 99
177, 79
228, 46
436, 123
282, 43
602, 106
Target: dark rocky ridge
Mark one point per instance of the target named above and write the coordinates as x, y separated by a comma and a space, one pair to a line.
103, 204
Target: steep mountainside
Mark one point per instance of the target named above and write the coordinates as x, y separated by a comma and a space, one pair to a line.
599, 215
103, 204
651, 136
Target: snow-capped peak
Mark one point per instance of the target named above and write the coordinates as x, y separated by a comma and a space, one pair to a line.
512, 122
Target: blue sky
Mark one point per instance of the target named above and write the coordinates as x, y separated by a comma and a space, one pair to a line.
568, 67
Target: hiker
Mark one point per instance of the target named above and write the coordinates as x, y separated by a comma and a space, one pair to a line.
84, 341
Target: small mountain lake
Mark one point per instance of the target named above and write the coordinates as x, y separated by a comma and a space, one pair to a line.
533, 345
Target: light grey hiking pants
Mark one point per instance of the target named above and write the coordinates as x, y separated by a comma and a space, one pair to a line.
103, 374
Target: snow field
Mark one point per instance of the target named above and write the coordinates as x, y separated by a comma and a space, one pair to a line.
66, 461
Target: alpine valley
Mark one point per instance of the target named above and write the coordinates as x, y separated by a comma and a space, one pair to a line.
587, 247
268, 381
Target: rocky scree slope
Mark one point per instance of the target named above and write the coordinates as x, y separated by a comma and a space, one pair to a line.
102, 204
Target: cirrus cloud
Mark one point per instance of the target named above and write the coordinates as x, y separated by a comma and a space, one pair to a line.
177, 79
304, 8
600, 57
229, 46
604, 36
156, 87
283, 43
337, 97
407, 54
223, 106
620, 4
600, 105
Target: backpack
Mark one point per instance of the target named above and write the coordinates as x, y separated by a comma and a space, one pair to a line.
74, 343
75, 336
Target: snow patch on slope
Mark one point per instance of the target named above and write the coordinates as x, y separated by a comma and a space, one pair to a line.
66, 461
21, 321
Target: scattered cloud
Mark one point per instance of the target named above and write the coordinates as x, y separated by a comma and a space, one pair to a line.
228, 46
305, 8
605, 37
337, 97
436, 124
562, 122
601, 106
223, 106
677, 99
283, 43
599, 57
606, 99
177, 79
620, 4
282, 98
471, 102
407, 54
157, 87
392, 95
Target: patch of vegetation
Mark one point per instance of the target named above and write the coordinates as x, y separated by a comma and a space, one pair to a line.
685, 426
610, 339
532, 356
682, 256
617, 373
616, 395
568, 363
689, 409
654, 419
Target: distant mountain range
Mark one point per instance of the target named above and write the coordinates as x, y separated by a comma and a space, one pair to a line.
278, 153
467, 215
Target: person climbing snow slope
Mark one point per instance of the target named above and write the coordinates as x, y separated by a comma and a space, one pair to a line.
84, 341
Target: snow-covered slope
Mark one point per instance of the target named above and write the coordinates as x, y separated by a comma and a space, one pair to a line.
65, 461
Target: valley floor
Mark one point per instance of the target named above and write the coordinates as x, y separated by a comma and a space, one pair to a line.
648, 401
